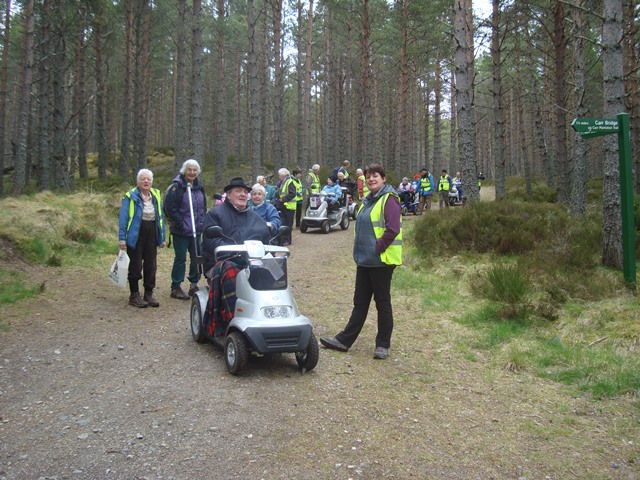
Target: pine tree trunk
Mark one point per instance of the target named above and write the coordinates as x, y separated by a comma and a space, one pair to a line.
101, 144
44, 67
579, 160
3, 88
562, 160
180, 95
197, 122
81, 111
306, 127
278, 97
438, 159
498, 109
123, 165
254, 92
20, 162
613, 71
61, 175
222, 144
463, 104
632, 94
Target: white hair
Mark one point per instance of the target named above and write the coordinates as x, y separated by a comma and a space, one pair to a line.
359, 172
259, 178
315, 167
144, 171
258, 188
190, 163
283, 172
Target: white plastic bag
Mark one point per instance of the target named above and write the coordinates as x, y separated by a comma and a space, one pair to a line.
120, 269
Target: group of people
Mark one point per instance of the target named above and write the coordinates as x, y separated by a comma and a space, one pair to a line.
256, 213
424, 186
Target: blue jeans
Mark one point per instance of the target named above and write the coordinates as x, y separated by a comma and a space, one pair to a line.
181, 245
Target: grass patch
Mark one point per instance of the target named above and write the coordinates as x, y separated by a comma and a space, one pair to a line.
13, 289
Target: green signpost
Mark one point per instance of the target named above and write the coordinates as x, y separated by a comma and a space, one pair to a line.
596, 127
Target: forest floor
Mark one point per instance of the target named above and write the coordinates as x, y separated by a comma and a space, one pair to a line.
92, 388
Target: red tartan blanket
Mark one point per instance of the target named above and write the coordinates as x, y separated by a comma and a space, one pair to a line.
222, 297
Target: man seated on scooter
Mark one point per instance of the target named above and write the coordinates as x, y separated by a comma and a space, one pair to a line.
238, 223
334, 193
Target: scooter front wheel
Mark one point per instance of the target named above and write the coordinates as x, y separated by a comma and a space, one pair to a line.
236, 353
308, 359
197, 328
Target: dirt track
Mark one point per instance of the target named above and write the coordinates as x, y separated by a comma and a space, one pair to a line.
92, 388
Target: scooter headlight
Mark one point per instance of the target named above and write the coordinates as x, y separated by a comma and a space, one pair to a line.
277, 311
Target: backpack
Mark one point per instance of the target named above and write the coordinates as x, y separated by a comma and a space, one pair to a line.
164, 202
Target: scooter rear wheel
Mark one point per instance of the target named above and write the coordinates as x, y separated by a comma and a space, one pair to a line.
236, 353
308, 359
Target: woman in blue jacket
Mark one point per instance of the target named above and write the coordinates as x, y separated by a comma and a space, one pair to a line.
141, 231
333, 191
262, 207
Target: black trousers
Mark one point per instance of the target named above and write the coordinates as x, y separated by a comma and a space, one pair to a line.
371, 282
298, 213
287, 219
142, 259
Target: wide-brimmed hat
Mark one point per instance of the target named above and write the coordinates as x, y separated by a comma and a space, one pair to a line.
237, 182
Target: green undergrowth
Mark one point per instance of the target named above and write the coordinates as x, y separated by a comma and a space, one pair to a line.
535, 297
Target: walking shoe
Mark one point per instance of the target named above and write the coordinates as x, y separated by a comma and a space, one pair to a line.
381, 353
179, 294
136, 300
193, 290
334, 344
152, 302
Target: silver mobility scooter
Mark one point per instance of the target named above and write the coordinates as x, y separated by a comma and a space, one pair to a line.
266, 318
319, 215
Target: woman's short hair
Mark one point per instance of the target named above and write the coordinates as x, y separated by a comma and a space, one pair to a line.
260, 178
144, 171
375, 168
283, 172
190, 163
258, 188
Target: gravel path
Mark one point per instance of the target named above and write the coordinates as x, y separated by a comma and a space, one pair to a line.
91, 388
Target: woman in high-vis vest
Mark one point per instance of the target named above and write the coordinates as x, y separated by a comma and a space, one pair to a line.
377, 251
141, 231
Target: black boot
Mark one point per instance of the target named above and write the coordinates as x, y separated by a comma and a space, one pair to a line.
136, 300
148, 297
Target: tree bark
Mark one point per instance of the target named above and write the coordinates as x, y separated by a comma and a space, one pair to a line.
20, 162
3, 88
579, 161
181, 122
613, 73
43, 172
254, 93
306, 128
123, 165
222, 144
498, 109
197, 126
560, 46
101, 144
463, 104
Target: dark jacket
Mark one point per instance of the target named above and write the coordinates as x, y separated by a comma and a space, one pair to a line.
176, 206
237, 226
